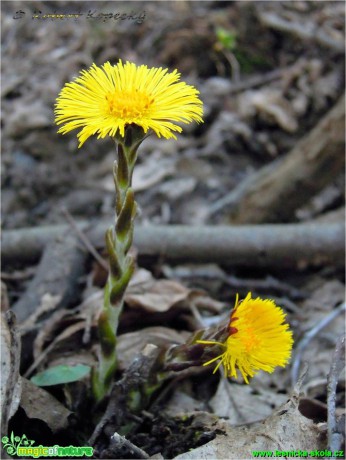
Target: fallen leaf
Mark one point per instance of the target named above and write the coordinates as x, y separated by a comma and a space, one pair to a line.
285, 430
242, 404
157, 296
160, 296
66, 349
48, 303
152, 170
39, 404
69, 324
272, 105
181, 403
175, 189
132, 343
10, 389
26, 116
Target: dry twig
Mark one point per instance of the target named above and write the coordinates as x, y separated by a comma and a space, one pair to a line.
85, 240
120, 446
248, 245
309, 336
335, 437
255, 81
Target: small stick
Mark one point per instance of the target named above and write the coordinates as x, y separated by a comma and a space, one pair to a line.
196, 314
262, 79
267, 283
84, 239
40, 358
309, 336
121, 445
338, 363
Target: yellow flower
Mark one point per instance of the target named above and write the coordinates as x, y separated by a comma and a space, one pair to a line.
259, 339
103, 100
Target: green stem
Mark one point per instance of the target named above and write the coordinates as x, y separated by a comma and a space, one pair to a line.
118, 242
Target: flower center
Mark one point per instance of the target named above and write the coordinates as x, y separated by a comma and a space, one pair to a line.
250, 339
128, 104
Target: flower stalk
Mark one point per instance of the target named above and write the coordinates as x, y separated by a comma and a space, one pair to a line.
121, 264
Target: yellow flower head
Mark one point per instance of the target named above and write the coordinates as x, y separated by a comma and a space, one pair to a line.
259, 339
103, 100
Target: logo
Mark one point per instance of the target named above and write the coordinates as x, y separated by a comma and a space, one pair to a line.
24, 447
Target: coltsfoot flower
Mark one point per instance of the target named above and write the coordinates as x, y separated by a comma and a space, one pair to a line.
259, 339
103, 100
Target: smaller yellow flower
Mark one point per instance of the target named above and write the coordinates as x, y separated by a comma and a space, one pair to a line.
259, 339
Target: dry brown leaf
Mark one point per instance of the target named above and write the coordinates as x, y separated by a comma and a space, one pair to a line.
271, 104
285, 430
326, 88
158, 296
27, 116
10, 389
60, 326
181, 403
68, 340
65, 323
132, 343
39, 404
315, 309
48, 303
323, 300
242, 404
195, 168
152, 170
140, 276
203, 302
318, 354
175, 189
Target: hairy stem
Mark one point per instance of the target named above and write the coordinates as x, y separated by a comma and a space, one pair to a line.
118, 242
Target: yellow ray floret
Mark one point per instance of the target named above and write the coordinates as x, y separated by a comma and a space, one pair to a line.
103, 100
259, 339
